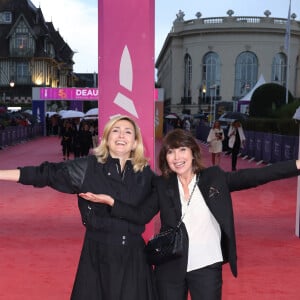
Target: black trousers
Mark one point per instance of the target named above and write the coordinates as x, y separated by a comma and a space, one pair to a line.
203, 284
234, 155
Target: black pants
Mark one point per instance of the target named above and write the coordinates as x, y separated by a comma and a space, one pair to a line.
234, 154
203, 284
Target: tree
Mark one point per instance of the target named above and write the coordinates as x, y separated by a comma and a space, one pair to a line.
268, 98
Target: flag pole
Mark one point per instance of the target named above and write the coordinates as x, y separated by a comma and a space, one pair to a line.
287, 48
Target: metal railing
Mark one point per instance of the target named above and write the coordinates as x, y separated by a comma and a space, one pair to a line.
13, 135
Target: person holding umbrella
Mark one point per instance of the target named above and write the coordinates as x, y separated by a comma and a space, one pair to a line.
236, 141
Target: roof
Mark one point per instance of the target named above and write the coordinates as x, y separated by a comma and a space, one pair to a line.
40, 29
259, 82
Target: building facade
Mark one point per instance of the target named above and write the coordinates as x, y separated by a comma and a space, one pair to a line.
204, 60
32, 53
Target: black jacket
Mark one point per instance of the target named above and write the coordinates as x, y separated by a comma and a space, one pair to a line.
215, 186
88, 175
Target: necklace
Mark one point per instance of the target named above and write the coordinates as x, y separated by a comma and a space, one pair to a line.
190, 198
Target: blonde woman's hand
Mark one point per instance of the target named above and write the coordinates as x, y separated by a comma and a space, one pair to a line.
98, 198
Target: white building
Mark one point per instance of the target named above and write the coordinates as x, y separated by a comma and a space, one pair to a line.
210, 59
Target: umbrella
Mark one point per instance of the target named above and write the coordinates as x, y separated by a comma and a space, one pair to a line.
91, 118
232, 116
92, 112
185, 116
170, 116
70, 114
51, 113
199, 116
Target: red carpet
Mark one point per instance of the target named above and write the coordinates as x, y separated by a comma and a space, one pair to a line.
41, 235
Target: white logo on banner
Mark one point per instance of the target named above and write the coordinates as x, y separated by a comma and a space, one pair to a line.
126, 80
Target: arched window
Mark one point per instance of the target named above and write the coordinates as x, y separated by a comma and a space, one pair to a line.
245, 73
279, 68
211, 75
187, 79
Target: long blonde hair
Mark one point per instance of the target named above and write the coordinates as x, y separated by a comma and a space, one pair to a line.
138, 159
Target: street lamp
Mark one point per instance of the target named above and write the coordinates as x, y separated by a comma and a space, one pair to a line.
212, 115
203, 95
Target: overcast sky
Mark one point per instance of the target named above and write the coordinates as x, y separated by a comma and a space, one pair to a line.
77, 20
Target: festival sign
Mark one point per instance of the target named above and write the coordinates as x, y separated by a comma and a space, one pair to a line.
88, 94
126, 64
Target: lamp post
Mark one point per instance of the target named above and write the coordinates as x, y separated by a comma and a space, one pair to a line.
203, 95
296, 117
12, 83
212, 115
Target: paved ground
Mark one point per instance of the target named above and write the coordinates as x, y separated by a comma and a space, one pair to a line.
41, 234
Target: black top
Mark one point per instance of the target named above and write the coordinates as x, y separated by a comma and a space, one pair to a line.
88, 175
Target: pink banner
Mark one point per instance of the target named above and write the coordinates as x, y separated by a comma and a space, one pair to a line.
89, 94
126, 64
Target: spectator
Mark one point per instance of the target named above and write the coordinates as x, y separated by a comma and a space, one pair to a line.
86, 140
236, 141
215, 139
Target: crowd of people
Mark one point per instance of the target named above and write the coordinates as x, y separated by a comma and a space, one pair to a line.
234, 138
78, 137
18, 118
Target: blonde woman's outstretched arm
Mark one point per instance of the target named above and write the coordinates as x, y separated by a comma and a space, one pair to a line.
10, 175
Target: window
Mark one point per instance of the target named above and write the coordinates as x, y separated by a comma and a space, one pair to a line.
279, 68
187, 79
22, 72
21, 41
245, 73
211, 75
5, 17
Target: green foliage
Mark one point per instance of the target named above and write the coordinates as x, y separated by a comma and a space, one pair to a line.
267, 99
278, 126
270, 113
286, 111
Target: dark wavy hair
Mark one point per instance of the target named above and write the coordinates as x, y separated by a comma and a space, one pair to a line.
175, 139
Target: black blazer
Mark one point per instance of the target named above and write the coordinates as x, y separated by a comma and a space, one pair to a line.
215, 186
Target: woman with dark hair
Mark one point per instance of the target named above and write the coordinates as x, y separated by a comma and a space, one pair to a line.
202, 195
112, 264
236, 141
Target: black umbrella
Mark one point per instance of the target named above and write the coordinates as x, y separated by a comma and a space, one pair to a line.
231, 116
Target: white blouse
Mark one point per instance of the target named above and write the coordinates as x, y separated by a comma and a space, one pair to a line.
203, 230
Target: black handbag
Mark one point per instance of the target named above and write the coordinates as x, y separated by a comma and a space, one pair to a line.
167, 245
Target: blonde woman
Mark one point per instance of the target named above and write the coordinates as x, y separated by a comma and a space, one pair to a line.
215, 139
112, 263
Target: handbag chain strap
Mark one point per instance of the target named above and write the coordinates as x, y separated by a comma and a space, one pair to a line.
190, 198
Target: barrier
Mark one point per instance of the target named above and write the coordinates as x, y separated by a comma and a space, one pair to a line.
258, 145
267, 147
262, 146
16, 134
289, 147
